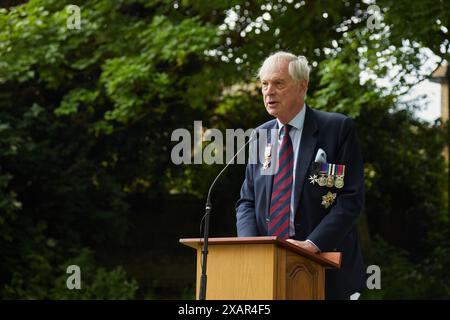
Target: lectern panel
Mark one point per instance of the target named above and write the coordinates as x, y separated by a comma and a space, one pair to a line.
239, 272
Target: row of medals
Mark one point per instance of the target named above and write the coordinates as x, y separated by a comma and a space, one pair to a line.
330, 181
328, 177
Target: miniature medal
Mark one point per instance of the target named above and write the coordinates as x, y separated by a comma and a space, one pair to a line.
339, 181
330, 178
322, 181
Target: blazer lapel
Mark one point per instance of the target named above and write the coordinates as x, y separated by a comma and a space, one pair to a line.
305, 153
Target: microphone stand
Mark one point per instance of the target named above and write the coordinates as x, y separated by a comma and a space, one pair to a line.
202, 294
208, 207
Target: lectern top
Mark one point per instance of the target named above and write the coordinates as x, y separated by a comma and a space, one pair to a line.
326, 259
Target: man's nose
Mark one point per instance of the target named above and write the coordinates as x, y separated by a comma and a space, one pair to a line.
270, 89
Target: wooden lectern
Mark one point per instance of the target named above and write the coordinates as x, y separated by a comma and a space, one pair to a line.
262, 268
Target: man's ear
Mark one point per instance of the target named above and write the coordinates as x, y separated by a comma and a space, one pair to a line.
303, 86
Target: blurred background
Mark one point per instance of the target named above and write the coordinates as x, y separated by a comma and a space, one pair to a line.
88, 105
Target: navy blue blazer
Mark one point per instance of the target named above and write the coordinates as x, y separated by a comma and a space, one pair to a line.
332, 228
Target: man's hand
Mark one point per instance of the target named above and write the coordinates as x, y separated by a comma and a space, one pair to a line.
304, 244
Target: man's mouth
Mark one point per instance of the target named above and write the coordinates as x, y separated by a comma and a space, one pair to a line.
272, 103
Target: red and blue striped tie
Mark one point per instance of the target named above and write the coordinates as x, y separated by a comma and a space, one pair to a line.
280, 203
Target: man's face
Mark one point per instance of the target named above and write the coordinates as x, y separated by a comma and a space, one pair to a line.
283, 98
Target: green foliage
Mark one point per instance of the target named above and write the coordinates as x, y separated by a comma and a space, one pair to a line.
406, 178
339, 89
47, 281
9, 206
430, 15
70, 102
401, 278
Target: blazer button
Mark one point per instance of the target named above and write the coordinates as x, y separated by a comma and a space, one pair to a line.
267, 219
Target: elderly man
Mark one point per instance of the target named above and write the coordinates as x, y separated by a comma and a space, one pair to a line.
317, 190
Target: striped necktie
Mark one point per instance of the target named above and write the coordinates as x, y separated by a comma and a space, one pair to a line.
280, 203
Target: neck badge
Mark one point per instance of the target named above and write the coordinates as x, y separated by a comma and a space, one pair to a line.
267, 156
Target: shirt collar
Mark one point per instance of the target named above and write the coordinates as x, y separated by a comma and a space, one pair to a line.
296, 122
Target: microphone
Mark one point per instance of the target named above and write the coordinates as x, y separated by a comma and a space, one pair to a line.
208, 207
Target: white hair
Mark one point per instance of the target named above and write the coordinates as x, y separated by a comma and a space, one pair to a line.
298, 65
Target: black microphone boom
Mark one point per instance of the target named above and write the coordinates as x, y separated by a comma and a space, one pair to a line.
208, 207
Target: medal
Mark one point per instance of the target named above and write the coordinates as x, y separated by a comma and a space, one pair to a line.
330, 177
339, 181
268, 150
328, 199
313, 179
267, 154
330, 181
322, 180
